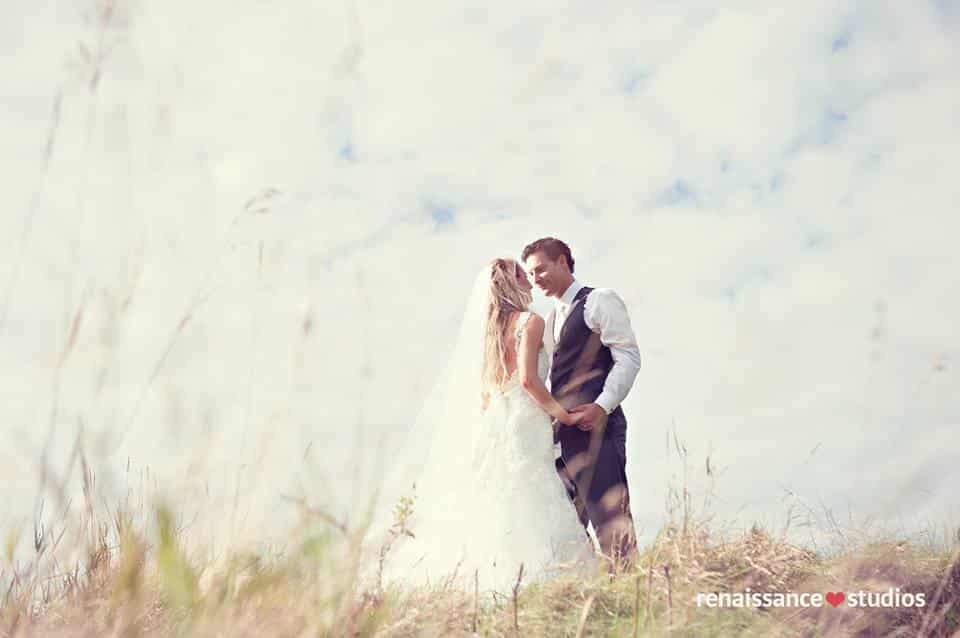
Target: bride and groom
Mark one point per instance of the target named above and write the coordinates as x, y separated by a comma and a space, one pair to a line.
489, 492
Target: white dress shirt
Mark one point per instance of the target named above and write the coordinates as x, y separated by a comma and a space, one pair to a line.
605, 314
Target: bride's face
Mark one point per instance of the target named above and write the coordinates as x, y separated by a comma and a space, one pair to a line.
522, 280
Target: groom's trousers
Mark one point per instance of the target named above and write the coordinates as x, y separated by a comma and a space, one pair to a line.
592, 466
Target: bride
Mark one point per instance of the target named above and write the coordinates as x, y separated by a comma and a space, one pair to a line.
486, 494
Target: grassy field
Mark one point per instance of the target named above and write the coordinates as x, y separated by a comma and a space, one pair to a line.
134, 578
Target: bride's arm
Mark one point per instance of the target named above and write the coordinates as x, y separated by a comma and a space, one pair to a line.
530, 340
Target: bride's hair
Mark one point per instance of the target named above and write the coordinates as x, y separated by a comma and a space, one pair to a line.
506, 297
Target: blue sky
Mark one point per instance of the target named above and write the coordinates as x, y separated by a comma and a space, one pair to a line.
771, 190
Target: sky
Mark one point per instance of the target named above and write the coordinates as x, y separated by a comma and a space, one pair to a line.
262, 221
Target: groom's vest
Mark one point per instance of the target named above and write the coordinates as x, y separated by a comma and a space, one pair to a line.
581, 362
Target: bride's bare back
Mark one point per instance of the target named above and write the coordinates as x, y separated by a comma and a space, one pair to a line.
510, 358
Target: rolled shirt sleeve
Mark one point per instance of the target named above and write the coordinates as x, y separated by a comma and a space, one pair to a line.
606, 314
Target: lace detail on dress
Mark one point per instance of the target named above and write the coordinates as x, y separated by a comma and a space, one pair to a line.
519, 511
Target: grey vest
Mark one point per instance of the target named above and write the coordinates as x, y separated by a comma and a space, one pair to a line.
581, 362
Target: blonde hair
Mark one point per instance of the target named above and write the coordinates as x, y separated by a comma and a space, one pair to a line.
506, 297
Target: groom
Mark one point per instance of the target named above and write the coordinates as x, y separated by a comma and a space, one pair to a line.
595, 361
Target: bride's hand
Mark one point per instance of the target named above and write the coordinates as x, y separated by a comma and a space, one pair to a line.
571, 418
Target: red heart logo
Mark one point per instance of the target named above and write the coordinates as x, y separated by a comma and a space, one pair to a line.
835, 597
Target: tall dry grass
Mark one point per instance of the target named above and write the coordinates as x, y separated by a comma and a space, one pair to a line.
137, 579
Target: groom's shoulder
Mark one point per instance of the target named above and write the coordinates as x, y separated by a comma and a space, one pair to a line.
605, 298
604, 293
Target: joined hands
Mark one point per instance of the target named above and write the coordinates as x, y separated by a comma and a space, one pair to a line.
588, 416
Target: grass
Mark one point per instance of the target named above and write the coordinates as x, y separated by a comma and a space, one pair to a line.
136, 579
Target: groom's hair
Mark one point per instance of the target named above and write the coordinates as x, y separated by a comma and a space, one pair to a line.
551, 247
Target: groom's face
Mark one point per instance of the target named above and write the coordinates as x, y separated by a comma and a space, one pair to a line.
550, 276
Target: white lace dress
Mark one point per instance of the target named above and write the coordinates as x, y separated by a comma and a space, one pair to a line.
520, 512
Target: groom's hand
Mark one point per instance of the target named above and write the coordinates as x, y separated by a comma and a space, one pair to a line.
592, 416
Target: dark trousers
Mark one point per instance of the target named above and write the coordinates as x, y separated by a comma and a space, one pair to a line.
592, 466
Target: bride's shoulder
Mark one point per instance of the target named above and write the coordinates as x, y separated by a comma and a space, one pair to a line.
533, 321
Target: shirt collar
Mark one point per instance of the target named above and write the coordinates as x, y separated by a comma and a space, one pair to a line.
566, 299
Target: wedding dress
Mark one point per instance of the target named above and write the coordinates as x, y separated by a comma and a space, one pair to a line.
487, 497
